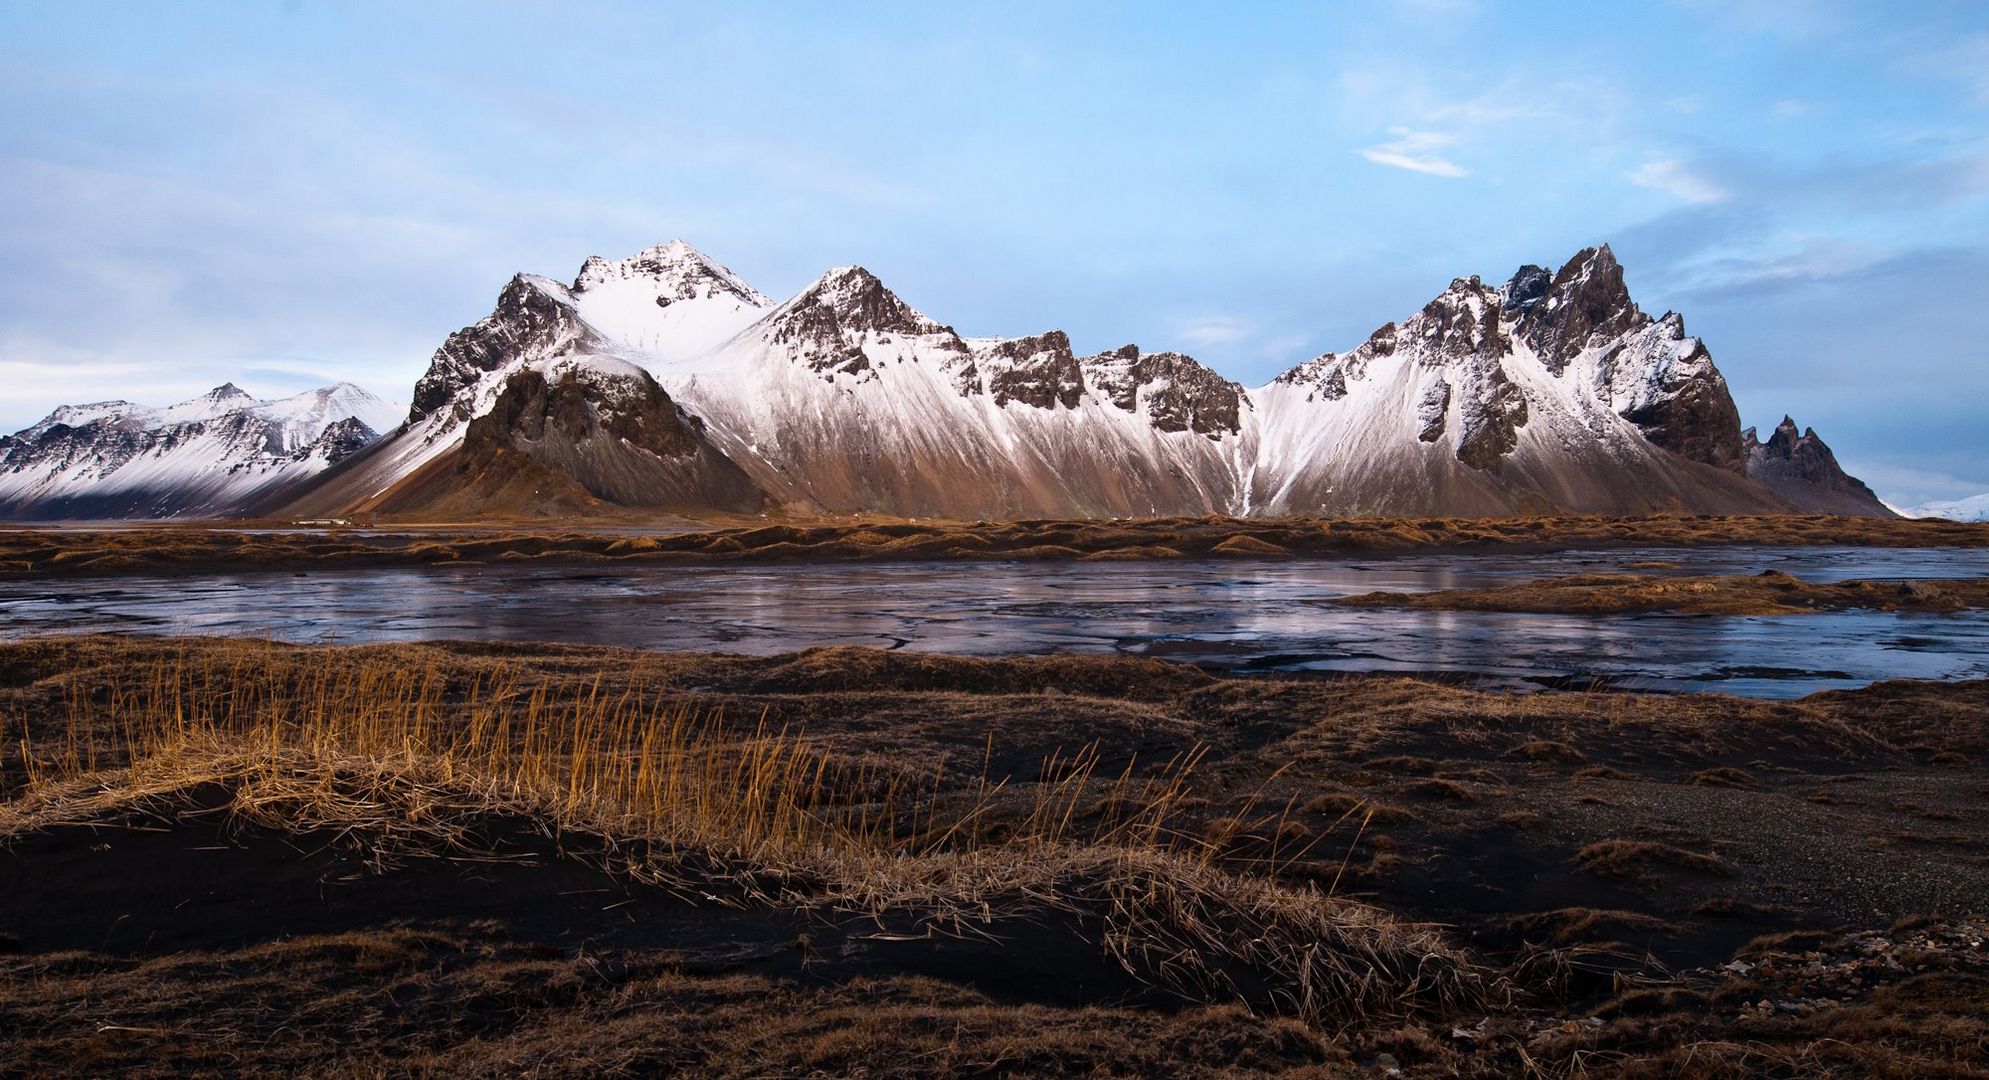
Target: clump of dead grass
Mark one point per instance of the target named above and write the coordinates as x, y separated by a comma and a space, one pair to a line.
394, 752
1635, 860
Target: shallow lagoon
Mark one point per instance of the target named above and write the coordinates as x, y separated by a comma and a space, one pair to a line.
1270, 615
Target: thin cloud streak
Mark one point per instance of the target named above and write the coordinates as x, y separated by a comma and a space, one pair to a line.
1677, 178
1415, 151
1215, 330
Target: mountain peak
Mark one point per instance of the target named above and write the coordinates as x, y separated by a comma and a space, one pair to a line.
678, 248
228, 391
1585, 302
845, 280
1802, 469
859, 301
676, 271
1595, 278
1527, 287
831, 325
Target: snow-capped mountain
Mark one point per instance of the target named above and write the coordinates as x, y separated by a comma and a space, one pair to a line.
1973, 508
217, 454
1551, 392
1801, 468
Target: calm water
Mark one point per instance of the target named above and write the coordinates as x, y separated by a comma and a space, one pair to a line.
1250, 616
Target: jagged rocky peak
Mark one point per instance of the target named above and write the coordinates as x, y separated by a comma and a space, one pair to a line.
1649, 370
1782, 440
229, 395
675, 271
534, 318
1797, 465
860, 302
1461, 334
343, 438
835, 324
1527, 287
1463, 321
1793, 444
1585, 305
1177, 392
1039, 370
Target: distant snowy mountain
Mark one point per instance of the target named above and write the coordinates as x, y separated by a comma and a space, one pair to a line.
1551, 392
1973, 508
214, 455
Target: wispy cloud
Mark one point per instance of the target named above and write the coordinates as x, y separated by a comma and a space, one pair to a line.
1790, 260
1417, 151
1678, 178
1214, 330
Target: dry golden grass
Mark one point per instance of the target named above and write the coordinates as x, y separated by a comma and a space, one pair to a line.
871, 800
309, 742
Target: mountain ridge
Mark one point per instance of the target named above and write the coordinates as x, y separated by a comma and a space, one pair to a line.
1552, 392
214, 455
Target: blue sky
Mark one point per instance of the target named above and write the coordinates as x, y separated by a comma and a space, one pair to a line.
289, 194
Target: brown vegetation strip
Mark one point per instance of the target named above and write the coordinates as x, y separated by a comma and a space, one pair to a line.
44, 551
1768, 593
927, 864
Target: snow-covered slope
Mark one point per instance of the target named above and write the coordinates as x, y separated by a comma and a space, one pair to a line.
217, 454
1973, 508
1552, 392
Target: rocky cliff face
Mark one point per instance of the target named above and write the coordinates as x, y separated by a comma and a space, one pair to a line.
1039, 371
1550, 392
1800, 468
615, 433
1653, 374
534, 319
848, 323
1173, 391
214, 455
